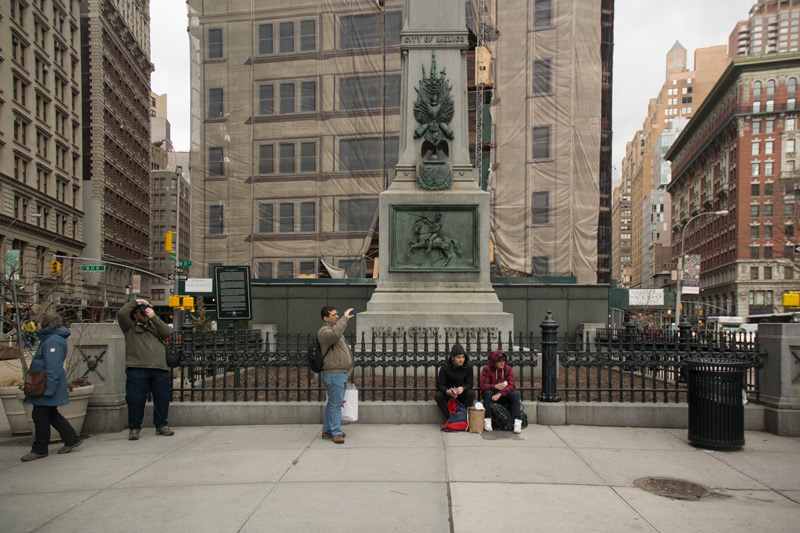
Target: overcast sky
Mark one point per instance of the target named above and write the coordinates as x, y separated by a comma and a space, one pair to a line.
644, 31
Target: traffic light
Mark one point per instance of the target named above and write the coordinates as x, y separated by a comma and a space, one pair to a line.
168, 238
55, 266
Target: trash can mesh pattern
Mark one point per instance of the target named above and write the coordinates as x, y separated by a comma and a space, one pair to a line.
716, 406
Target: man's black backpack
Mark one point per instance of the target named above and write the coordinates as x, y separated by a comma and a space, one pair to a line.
316, 359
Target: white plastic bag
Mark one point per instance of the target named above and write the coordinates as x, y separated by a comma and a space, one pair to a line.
350, 404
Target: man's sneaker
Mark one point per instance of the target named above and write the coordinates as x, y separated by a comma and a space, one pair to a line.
165, 430
487, 424
517, 426
338, 439
133, 434
67, 449
32, 456
330, 436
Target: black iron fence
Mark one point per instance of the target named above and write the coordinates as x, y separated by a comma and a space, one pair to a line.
615, 365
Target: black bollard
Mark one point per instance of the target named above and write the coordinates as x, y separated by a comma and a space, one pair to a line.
549, 360
630, 333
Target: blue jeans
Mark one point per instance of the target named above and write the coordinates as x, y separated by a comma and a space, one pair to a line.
139, 382
335, 383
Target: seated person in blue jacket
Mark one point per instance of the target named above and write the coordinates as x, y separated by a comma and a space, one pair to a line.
497, 385
455, 380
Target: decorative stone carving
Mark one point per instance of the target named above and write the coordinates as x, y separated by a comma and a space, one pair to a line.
434, 110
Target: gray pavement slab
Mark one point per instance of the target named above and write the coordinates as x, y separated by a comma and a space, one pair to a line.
533, 507
391, 477
217, 508
354, 506
734, 511
619, 468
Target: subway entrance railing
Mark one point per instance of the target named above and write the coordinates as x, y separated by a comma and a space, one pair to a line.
618, 365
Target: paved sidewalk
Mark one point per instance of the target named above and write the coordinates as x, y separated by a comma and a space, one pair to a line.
396, 477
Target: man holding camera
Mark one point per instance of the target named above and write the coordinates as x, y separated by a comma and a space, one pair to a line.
145, 365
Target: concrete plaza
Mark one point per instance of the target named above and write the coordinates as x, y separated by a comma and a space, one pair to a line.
396, 477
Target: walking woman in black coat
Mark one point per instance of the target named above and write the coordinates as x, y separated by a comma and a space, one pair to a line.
455, 380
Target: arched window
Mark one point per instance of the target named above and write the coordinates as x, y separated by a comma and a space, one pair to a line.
771, 90
757, 91
791, 87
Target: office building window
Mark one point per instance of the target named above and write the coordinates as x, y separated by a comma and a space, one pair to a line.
357, 215
754, 167
287, 158
755, 148
768, 255
769, 126
362, 31
756, 127
287, 91
788, 272
768, 189
308, 35
216, 219
308, 268
542, 14
754, 211
266, 159
308, 157
286, 37
366, 92
767, 210
754, 270
767, 231
215, 105
541, 77
790, 122
266, 220
286, 217
755, 189
265, 269
540, 265
540, 206
366, 153
266, 45
285, 269
768, 147
754, 253
215, 49
768, 168
790, 144
216, 160
308, 216
757, 91
266, 99
541, 142
308, 96
754, 232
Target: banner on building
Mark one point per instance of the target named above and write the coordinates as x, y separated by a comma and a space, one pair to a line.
691, 274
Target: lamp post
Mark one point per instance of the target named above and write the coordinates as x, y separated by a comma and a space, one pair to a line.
177, 314
722, 212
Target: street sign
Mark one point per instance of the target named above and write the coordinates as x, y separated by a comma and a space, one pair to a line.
172, 256
797, 248
185, 263
181, 277
93, 268
178, 270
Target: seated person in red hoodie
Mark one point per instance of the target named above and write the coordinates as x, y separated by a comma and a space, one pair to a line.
497, 385
455, 381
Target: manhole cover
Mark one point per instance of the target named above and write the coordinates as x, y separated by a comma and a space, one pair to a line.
680, 489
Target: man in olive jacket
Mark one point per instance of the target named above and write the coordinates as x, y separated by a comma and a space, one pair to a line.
145, 366
338, 363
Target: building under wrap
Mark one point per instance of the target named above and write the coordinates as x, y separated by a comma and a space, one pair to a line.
293, 133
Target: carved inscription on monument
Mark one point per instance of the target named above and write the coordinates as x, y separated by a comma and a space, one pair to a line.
420, 332
439, 40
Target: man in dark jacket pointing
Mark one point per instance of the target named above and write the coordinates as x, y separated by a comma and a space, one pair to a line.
455, 380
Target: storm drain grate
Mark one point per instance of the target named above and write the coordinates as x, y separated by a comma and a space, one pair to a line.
680, 489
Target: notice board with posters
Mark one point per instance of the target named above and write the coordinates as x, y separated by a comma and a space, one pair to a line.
233, 292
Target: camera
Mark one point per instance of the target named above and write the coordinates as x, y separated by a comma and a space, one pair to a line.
142, 308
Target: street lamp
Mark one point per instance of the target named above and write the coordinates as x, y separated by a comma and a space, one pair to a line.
722, 212
177, 315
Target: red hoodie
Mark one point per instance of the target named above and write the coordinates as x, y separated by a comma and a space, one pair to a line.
491, 375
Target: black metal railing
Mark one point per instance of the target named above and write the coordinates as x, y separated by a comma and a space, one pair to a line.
615, 365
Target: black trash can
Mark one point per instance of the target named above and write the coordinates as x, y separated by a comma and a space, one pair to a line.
716, 402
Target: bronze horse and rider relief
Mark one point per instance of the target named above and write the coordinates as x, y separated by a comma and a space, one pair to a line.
434, 110
430, 237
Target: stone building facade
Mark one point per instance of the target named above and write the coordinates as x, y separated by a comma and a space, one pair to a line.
41, 206
116, 135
